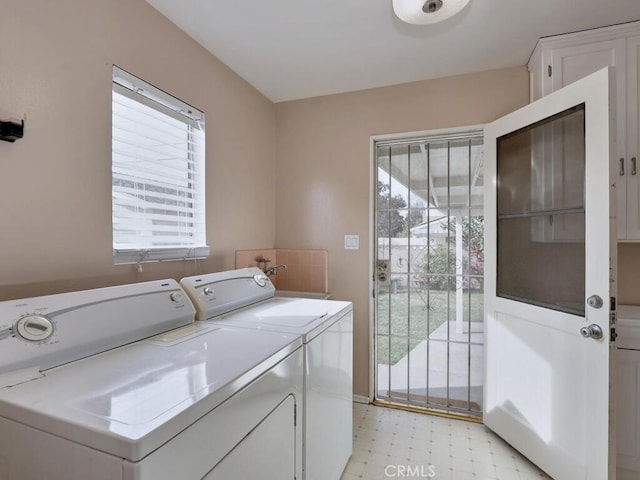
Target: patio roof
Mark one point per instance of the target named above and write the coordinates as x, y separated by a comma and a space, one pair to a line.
440, 174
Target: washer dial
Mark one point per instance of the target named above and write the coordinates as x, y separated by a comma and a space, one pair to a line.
261, 280
34, 328
177, 297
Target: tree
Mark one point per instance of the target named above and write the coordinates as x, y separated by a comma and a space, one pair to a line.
390, 222
440, 264
473, 241
414, 217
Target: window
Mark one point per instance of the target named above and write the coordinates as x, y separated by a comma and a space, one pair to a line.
157, 174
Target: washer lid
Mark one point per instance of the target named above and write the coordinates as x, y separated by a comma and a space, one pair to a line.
301, 316
131, 400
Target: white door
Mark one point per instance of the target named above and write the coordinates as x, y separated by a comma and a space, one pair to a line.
547, 251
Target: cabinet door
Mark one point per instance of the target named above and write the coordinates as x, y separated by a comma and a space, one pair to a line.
628, 396
633, 140
574, 62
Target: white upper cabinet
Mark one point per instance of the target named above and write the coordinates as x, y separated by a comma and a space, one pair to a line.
633, 140
560, 60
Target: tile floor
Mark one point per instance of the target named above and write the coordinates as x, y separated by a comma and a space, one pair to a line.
391, 443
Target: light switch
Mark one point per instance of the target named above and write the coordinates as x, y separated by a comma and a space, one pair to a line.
352, 242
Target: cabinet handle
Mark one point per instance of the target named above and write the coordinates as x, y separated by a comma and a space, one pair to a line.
633, 165
621, 167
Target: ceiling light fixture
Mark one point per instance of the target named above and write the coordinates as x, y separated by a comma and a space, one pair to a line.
421, 12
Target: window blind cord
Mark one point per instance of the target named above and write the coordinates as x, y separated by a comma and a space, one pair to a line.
143, 254
192, 255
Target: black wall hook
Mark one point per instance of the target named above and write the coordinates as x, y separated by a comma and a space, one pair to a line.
11, 131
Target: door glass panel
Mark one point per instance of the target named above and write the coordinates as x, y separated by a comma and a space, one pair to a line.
545, 273
541, 167
541, 253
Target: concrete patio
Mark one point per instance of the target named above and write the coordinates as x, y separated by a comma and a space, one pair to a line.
407, 379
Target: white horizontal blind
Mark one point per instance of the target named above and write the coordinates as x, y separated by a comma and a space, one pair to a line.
157, 169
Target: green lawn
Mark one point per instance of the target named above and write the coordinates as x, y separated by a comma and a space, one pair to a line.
410, 316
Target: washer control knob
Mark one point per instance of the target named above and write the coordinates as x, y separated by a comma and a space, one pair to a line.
261, 280
177, 297
34, 328
208, 291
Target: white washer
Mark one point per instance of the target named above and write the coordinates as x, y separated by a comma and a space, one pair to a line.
326, 327
120, 384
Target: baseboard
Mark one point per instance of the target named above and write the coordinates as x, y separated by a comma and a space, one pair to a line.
360, 399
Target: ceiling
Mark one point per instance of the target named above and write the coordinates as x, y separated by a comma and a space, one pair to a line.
293, 49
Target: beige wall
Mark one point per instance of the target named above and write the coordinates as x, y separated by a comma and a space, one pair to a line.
55, 183
323, 168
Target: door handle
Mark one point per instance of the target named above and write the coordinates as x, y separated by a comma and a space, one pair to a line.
592, 331
595, 301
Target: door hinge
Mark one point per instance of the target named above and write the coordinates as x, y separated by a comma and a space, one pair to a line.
614, 334
549, 70
373, 293
612, 304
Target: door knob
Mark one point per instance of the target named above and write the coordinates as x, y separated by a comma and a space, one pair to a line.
592, 331
595, 301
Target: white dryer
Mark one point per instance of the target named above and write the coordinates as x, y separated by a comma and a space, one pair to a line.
245, 298
120, 384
